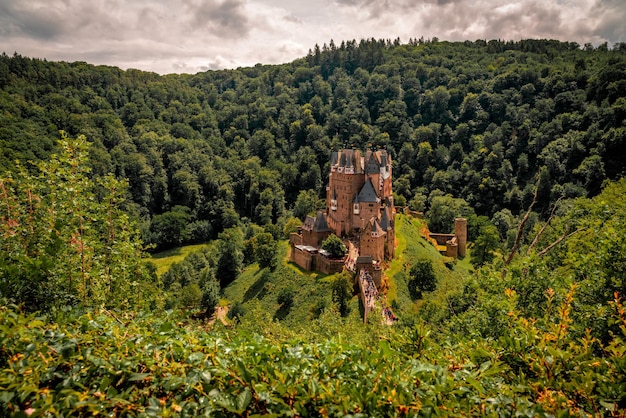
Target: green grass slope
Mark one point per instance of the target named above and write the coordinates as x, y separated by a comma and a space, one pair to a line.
164, 259
411, 247
258, 289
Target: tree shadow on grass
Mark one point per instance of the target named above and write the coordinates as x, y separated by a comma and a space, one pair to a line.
361, 308
257, 290
282, 312
286, 300
167, 253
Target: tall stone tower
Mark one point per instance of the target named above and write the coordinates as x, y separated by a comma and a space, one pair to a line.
460, 230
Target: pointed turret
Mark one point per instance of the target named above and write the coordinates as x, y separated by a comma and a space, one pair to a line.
372, 166
368, 194
320, 224
376, 229
386, 222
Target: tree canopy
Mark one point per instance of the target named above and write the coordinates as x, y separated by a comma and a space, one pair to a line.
471, 120
335, 246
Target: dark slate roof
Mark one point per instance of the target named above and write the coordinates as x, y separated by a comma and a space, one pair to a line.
349, 158
308, 223
346, 159
372, 166
376, 227
320, 224
385, 219
383, 158
367, 193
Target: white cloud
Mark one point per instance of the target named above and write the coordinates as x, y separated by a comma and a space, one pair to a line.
194, 35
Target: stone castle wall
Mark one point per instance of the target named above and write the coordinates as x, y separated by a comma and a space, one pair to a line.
304, 259
346, 186
374, 246
456, 244
328, 265
315, 261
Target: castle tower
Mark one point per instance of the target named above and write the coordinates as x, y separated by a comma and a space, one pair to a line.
345, 180
372, 240
387, 221
460, 230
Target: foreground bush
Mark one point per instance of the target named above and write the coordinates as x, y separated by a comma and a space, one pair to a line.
102, 363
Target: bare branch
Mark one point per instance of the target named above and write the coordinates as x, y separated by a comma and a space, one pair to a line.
560, 239
543, 228
520, 230
111, 314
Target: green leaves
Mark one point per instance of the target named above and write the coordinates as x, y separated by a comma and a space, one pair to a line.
92, 364
135, 377
66, 238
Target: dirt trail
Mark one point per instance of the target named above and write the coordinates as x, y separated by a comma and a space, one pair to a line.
220, 313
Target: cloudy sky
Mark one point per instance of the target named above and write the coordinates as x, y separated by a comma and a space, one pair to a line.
188, 36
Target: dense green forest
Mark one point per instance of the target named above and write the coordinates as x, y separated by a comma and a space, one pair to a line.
525, 139
477, 121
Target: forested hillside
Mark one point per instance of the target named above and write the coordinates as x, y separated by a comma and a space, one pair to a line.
525, 139
476, 121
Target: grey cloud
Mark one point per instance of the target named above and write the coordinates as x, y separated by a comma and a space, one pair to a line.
535, 19
67, 20
227, 18
293, 19
374, 8
576, 20
611, 25
24, 18
195, 35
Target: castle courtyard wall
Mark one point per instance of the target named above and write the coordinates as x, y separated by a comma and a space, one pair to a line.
304, 259
328, 265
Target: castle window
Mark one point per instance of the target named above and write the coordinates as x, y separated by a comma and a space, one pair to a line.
356, 209
333, 204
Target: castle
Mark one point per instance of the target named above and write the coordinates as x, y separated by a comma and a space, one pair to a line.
359, 209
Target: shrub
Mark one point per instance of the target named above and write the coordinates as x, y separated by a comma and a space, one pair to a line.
66, 238
285, 298
422, 278
334, 246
